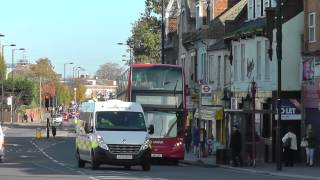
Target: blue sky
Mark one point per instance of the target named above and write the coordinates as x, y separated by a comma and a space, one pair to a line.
80, 31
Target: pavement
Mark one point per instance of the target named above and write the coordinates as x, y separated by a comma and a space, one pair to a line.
67, 130
299, 171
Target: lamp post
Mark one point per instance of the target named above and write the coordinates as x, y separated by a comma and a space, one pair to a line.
79, 69
131, 61
64, 71
279, 58
162, 32
253, 94
12, 73
2, 78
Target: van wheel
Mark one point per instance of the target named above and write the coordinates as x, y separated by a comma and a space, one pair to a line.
127, 167
81, 163
94, 163
146, 167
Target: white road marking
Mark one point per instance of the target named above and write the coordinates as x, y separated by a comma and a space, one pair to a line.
14, 145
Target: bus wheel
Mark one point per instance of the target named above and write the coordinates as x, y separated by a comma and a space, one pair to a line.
81, 163
94, 163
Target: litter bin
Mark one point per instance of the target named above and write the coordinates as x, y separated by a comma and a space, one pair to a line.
222, 156
38, 133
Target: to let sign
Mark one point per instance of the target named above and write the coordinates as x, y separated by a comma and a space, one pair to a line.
290, 110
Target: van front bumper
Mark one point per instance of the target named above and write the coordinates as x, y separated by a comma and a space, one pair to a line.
106, 157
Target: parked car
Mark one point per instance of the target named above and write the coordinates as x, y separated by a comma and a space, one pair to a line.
65, 117
1, 144
56, 119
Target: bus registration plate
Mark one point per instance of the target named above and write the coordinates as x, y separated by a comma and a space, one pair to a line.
156, 155
120, 156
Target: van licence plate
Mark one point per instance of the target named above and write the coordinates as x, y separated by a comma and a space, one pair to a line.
120, 156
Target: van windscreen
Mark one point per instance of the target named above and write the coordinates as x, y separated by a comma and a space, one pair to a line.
120, 121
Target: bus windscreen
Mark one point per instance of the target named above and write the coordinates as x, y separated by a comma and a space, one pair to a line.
157, 78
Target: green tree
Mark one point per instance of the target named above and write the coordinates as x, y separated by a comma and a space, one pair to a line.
43, 69
23, 91
146, 34
64, 94
80, 92
3, 67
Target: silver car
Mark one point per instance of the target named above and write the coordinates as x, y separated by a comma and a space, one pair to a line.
57, 119
1, 144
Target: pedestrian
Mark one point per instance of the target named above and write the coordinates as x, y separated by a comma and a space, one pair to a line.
196, 141
236, 146
188, 139
54, 131
25, 117
48, 126
31, 117
289, 141
203, 134
310, 146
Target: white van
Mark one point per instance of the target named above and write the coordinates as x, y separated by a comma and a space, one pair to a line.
113, 132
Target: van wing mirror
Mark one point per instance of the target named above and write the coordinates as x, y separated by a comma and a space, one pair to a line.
151, 129
87, 128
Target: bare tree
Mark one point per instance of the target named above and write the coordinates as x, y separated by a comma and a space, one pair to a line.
109, 71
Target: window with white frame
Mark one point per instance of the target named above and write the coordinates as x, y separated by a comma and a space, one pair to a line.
312, 27
266, 61
235, 62
266, 4
258, 8
219, 71
250, 9
226, 75
205, 68
243, 73
211, 69
258, 60
192, 67
198, 16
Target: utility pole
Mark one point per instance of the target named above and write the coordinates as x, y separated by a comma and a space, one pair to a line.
279, 58
162, 33
253, 93
40, 100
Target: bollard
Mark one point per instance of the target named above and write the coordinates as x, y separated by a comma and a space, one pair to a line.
38, 133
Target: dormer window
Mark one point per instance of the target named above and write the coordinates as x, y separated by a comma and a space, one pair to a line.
201, 14
256, 8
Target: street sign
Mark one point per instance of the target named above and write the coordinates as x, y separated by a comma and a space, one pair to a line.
9, 100
205, 89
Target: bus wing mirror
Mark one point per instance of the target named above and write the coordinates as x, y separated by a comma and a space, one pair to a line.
151, 129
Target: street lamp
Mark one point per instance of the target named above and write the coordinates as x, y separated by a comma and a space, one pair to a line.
12, 72
64, 71
130, 51
2, 77
80, 69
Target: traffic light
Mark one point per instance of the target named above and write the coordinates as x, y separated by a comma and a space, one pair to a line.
46, 101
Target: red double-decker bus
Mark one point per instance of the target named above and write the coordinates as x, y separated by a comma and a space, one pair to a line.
160, 89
